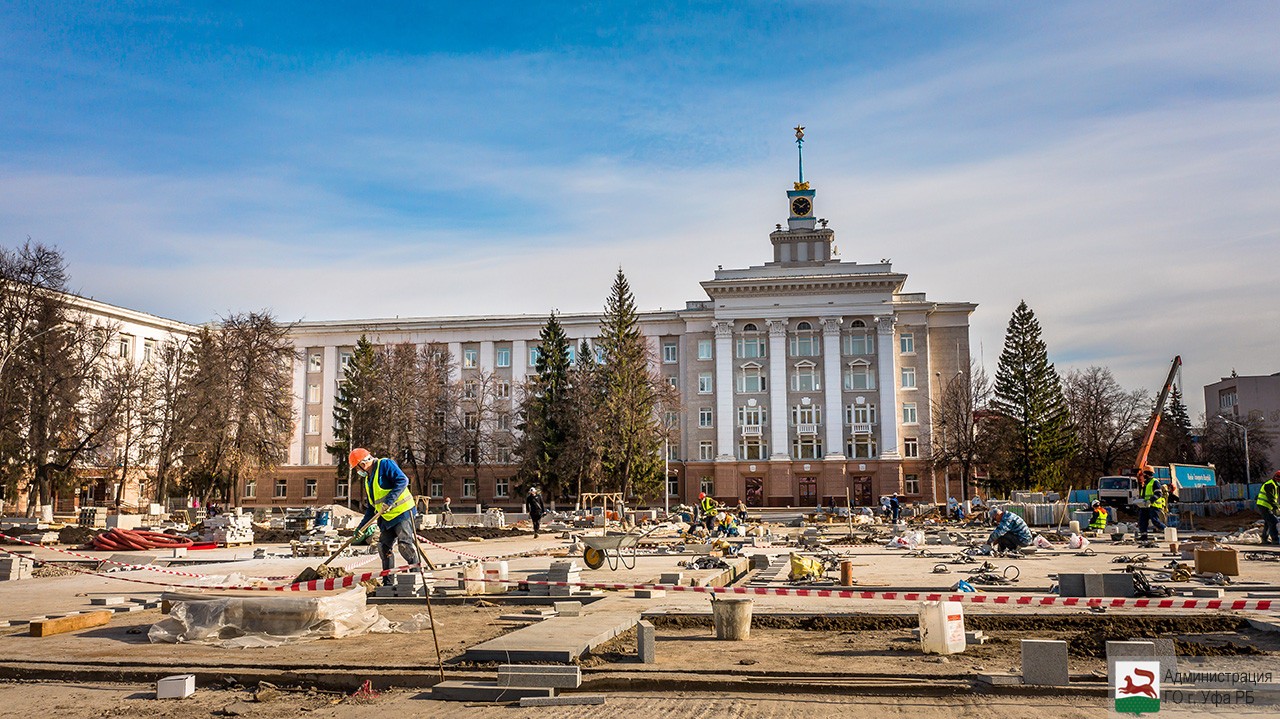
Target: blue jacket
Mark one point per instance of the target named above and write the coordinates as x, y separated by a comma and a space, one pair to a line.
391, 478
1011, 523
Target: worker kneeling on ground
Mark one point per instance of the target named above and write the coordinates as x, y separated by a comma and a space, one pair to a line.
386, 494
1098, 521
1011, 531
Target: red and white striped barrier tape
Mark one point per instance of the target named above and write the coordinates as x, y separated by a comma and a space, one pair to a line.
146, 567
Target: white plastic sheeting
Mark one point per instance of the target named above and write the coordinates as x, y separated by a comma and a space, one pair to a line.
236, 621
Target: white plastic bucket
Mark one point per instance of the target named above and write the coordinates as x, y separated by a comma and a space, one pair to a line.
942, 627
1075, 526
733, 618
1170, 534
495, 575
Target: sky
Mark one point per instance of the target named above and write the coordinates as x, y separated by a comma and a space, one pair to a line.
1115, 165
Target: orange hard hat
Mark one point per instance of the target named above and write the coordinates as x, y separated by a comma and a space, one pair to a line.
702, 495
358, 455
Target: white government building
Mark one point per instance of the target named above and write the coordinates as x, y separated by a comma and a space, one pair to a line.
801, 379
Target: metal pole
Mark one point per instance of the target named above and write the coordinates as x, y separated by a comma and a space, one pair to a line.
1248, 471
666, 479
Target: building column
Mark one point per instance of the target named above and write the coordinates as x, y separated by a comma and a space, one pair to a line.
723, 381
519, 362
834, 415
455, 364
887, 368
487, 362
779, 412
330, 376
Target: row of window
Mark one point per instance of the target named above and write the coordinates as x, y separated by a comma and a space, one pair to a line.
748, 416
802, 447
751, 378
311, 488
124, 348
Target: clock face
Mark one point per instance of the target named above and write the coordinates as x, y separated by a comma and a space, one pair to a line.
801, 206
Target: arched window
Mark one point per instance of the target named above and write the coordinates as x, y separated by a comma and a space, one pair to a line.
804, 327
805, 342
750, 327
751, 345
858, 324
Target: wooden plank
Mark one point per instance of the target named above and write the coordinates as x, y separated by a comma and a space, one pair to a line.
73, 623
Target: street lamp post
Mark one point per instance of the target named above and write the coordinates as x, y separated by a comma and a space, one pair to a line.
1248, 471
666, 478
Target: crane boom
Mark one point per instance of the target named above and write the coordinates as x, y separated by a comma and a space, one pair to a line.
1140, 463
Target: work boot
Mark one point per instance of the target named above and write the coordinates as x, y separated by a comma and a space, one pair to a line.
535, 535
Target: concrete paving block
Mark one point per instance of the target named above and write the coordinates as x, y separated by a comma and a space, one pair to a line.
650, 593
1044, 662
1071, 585
1109, 585
568, 609
528, 618
1127, 650
671, 578
1000, 680
1210, 592
457, 690
646, 642
106, 601
563, 701
545, 611
524, 675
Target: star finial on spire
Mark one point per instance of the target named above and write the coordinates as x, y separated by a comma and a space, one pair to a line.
800, 133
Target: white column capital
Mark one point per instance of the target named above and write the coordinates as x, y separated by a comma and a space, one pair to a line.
723, 329
885, 324
830, 325
777, 327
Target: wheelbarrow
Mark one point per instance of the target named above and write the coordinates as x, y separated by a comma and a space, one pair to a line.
614, 547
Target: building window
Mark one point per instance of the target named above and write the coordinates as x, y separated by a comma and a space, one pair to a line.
704, 417
751, 379
148, 350
752, 417
805, 378
860, 414
470, 454
437, 489
704, 383
907, 343
314, 363
504, 357
282, 488
806, 447
805, 343
504, 421
502, 389
673, 485
469, 487
470, 389
124, 349
704, 349
470, 420
502, 487
673, 451
911, 448
859, 344
1228, 400
708, 486
251, 488
806, 414
470, 358
909, 413
859, 376
751, 347
313, 424
313, 393
504, 456
342, 489
674, 381
862, 447
670, 352
706, 451
753, 448
908, 377
911, 484
534, 352
310, 488
344, 359
313, 455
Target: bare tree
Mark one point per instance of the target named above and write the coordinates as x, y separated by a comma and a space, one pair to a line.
168, 414
1222, 445
476, 419
955, 421
1107, 422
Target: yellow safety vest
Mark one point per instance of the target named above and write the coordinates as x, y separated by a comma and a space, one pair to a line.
376, 495
1158, 504
1266, 498
1149, 490
1099, 519
708, 505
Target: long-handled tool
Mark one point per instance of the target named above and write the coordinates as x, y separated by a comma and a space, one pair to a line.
312, 573
423, 564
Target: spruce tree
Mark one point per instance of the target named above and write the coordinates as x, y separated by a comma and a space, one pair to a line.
545, 414
630, 429
356, 408
1028, 394
1173, 438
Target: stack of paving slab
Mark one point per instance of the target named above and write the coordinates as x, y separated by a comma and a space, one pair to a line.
14, 567
561, 571
532, 685
408, 584
229, 529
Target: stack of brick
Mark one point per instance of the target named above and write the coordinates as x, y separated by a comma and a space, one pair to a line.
229, 529
14, 567
407, 584
564, 572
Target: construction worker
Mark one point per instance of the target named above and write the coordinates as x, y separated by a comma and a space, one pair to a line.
1011, 531
1160, 507
387, 495
1098, 521
1146, 497
534, 506
708, 507
1268, 502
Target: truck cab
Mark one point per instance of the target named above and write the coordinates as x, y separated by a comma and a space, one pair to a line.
1118, 492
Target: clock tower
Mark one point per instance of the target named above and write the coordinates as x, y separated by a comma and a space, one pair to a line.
803, 242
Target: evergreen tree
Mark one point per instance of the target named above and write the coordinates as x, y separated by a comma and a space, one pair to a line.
630, 428
545, 413
1028, 394
582, 429
1173, 438
356, 408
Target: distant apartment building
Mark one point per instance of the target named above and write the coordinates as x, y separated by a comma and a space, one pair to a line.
1239, 398
802, 379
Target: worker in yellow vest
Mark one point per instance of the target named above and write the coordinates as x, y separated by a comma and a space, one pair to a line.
1098, 521
1268, 502
387, 495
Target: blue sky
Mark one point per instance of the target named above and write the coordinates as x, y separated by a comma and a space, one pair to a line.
1114, 164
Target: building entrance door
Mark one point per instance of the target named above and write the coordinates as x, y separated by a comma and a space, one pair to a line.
755, 491
808, 491
862, 491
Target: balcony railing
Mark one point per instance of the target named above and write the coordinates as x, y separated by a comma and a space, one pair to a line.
807, 428
862, 428
752, 430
